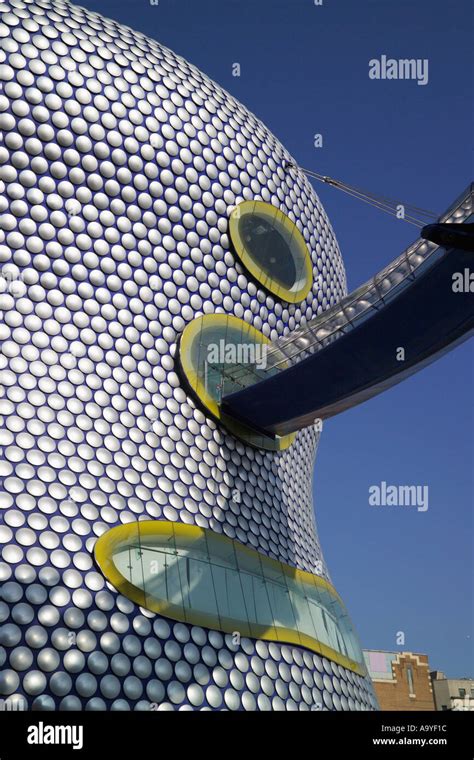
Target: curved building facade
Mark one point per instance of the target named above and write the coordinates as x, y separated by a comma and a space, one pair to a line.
153, 555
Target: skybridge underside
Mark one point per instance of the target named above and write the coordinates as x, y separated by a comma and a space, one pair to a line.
425, 320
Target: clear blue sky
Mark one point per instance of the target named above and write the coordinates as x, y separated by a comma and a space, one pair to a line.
304, 70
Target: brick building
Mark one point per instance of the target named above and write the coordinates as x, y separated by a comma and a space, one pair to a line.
401, 680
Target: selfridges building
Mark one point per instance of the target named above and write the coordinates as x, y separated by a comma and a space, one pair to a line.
157, 241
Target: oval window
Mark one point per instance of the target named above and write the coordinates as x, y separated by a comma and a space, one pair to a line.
203, 578
220, 354
272, 249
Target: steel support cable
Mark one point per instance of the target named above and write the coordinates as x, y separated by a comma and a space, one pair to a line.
385, 208
379, 198
411, 206
390, 201
382, 205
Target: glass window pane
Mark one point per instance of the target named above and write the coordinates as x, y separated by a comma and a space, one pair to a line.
272, 248
196, 580
257, 604
207, 579
317, 615
228, 590
279, 596
221, 550
299, 593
